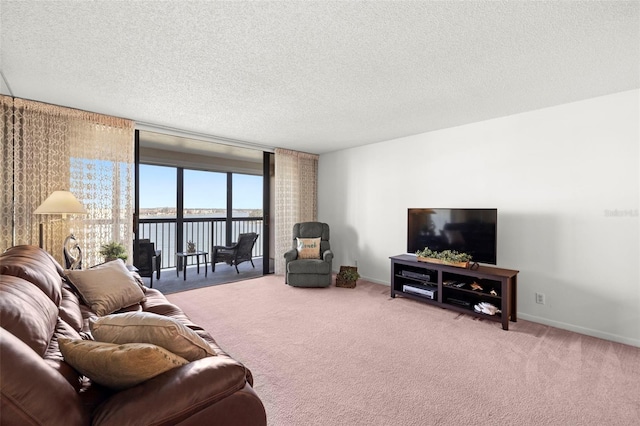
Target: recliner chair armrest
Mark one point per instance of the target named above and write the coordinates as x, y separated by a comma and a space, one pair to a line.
291, 255
327, 256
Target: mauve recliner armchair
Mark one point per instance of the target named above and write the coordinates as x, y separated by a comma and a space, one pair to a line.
309, 272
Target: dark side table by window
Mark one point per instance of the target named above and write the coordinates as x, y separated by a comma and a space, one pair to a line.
181, 260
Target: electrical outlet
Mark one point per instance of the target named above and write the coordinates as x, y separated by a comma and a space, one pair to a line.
540, 299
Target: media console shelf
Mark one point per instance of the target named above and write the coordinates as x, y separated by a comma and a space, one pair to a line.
458, 289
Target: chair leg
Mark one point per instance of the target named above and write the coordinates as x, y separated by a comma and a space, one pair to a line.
237, 268
252, 263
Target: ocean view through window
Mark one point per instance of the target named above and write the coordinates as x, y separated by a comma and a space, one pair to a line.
205, 206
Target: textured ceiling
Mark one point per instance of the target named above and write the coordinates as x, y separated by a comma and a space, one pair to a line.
317, 76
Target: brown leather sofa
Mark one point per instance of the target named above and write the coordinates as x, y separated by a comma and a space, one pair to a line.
37, 308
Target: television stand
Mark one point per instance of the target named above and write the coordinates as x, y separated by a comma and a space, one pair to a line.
457, 289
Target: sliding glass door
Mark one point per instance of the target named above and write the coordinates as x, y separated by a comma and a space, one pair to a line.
178, 204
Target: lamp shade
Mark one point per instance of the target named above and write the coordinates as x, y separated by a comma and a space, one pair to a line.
60, 202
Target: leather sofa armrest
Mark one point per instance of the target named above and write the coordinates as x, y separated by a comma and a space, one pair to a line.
327, 256
32, 392
175, 395
291, 255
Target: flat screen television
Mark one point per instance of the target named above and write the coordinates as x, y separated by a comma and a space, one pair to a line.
471, 231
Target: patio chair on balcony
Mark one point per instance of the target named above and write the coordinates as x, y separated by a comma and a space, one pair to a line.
147, 259
236, 253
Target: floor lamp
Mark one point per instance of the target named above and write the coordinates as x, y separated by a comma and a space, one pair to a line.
59, 202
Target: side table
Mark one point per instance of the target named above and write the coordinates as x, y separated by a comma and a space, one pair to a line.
181, 259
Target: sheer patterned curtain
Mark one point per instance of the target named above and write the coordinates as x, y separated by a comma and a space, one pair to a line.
6, 173
90, 155
296, 197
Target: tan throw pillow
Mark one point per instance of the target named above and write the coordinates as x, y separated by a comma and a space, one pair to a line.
146, 327
107, 288
118, 366
308, 248
136, 277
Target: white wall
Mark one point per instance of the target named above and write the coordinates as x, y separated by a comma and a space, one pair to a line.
555, 175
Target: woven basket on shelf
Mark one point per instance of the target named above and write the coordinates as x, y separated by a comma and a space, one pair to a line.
341, 282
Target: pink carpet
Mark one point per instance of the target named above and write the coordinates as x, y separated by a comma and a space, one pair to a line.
340, 356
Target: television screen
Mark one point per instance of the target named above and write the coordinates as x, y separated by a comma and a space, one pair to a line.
471, 231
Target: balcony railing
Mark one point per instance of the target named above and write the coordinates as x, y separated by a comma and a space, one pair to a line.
205, 232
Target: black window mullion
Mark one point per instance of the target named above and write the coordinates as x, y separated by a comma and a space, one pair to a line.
229, 208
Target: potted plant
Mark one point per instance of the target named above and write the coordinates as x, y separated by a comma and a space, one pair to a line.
113, 251
347, 277
446, 257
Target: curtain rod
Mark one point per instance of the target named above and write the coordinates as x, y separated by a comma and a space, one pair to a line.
200, 136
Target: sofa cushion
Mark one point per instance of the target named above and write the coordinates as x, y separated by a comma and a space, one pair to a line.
27, 313
145, 327
70, 308
157, 303
107, 288
36, 266
118, 366
308, 248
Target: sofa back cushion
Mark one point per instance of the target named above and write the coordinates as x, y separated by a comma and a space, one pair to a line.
35, 265
27, 313
69, 309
